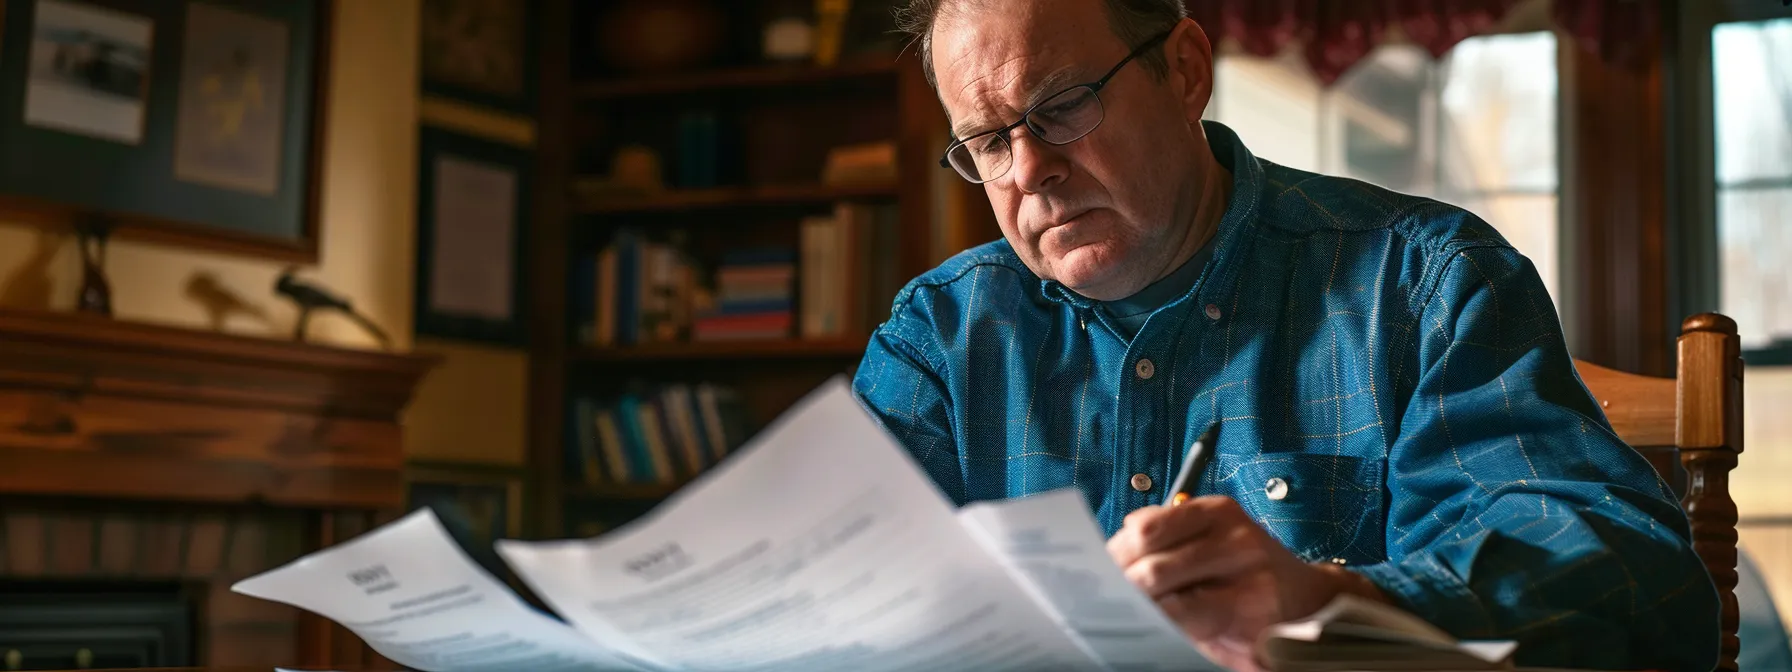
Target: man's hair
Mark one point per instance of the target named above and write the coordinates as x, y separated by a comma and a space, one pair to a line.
1133, 21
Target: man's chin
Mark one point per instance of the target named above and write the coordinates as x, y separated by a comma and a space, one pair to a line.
1088, 279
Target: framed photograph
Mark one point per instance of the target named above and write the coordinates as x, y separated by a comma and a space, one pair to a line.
193, 123
472, 213
89, 71
478, 504
479, 51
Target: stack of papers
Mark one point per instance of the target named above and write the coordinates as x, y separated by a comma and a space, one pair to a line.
820, 545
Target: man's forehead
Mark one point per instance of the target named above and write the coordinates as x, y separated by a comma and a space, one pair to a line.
985, 83
995, 106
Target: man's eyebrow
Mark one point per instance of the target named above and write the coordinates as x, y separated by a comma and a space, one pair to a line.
1051, 83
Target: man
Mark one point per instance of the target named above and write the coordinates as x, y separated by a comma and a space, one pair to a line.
1400, 418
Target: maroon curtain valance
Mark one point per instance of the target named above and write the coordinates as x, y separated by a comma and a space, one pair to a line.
1334, 34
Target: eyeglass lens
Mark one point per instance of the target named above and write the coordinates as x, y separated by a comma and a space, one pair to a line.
1063, 118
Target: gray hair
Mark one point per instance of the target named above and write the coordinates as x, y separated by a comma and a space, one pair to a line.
1133, 21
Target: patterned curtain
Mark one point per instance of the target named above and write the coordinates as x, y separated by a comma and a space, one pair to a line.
1334, 34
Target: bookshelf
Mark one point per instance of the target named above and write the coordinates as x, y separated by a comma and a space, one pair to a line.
768, 349
700, 295
721, 198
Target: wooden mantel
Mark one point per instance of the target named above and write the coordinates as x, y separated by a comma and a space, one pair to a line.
100, 408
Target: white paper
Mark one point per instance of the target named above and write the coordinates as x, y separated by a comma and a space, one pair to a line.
819, 546
1052, 542
410, 592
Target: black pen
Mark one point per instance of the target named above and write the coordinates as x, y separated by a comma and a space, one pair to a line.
1193, 464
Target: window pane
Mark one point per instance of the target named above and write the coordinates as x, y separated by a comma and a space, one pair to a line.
1375, 120
1498, 116
1272, 105
1476, 129
1755, 226
1752, 74
1528, 221
1758, 484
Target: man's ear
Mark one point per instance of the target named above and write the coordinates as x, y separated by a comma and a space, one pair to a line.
1190, 59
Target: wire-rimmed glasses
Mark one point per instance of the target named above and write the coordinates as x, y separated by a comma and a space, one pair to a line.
1062, 118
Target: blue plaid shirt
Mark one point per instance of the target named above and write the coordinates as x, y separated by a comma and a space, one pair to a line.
1395, 395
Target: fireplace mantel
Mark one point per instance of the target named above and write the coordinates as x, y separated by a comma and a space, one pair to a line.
101, 408
132, 451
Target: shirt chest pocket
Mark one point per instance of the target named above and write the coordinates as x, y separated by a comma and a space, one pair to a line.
1321, 507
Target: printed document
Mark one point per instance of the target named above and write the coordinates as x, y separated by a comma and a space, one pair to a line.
1052, 542
416, 598
820, 545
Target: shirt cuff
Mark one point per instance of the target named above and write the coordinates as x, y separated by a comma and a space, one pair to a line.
1433, 593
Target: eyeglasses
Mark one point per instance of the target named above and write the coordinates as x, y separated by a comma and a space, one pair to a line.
1061, 119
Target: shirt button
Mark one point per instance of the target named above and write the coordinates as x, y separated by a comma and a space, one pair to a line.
1213, 312
1141, 482
1146, 369
1276, 489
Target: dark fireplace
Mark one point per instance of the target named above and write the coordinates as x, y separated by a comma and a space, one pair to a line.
66, 625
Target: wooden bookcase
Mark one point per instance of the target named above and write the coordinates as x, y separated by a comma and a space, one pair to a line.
778, 122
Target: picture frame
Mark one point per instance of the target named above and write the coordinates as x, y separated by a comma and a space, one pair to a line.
480, 52
477, 503
192, 123
474, 197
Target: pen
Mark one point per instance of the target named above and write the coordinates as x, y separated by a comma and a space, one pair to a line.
1193, 464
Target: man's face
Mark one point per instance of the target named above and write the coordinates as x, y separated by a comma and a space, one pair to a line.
1109, 213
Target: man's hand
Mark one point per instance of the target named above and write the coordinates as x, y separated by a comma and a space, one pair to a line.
1223, 578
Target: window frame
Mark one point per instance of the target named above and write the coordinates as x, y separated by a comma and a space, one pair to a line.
1694, 247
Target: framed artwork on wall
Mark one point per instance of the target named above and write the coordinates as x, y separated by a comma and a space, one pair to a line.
479, 52
473, 198
197, 123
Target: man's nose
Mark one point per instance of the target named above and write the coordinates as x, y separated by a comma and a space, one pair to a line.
1038, 166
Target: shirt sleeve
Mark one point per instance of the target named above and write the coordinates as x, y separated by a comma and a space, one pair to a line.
899, 383
1515, 511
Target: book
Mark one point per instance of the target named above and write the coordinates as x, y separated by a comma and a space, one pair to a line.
1352, 633
819, 545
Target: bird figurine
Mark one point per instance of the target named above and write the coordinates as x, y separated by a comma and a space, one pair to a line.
310, 297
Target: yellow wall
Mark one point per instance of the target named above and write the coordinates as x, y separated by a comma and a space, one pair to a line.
472, 408
478, 407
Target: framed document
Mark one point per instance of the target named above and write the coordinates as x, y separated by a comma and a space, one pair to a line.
472, 210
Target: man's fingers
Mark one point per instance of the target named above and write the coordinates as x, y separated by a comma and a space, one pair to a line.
1200, 610
1209, 558
1155, 528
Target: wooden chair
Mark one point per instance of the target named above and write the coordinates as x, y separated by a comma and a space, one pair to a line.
1697, 418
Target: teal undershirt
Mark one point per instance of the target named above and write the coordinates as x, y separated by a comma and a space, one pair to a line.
1131, 312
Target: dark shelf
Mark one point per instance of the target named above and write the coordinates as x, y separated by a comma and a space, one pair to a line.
763, 76
623, 491
726, 197
767, 349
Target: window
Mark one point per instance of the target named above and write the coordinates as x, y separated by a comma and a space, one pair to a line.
1752, 114
1752, 100
1476, 129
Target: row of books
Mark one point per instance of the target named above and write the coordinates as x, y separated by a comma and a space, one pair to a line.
753, 299
837, 282
848, 269
663, 435
633, 291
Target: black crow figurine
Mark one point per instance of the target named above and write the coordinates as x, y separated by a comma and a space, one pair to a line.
309, 297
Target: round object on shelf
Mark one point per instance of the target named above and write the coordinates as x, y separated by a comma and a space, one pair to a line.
789, 39
649, 36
